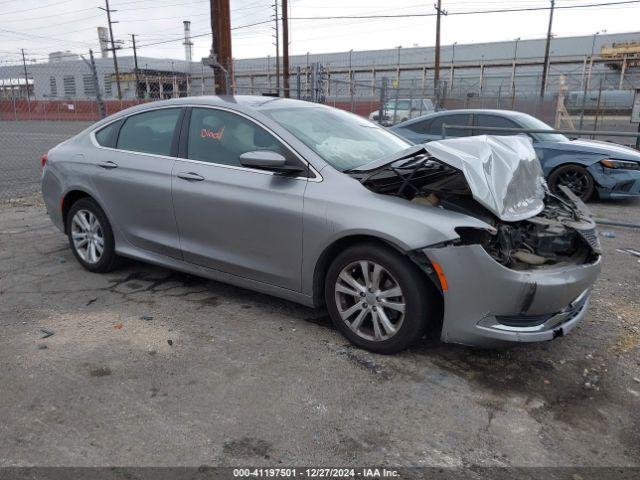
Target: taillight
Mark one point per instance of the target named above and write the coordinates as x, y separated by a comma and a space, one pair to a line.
43, 160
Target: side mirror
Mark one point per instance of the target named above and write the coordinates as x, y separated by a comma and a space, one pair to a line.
268, 160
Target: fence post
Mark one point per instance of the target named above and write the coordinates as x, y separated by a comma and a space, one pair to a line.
395, 106
383, 92
298, 82
595, 121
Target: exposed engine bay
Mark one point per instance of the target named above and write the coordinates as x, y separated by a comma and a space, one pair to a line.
558, 231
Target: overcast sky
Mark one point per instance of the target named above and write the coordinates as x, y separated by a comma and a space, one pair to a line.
42, 26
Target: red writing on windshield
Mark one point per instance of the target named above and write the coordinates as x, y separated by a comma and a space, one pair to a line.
206, 133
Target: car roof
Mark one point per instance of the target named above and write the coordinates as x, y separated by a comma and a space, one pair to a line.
443, 113
241, 103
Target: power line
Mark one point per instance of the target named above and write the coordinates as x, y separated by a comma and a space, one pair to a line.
472, 12
36, 8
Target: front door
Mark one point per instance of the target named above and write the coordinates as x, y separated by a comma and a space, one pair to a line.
241, 221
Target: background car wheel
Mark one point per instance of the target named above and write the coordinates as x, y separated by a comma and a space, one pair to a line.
91, 237
575, 177
378, 298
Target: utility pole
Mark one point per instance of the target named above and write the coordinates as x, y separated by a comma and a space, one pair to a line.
285, 47
545, 66
94, 76
436, 68
113, 46
275, 6
220, 58
135, 67
26, 81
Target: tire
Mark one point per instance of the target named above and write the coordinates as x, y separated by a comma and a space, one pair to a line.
394, 270
575, 177
97, 228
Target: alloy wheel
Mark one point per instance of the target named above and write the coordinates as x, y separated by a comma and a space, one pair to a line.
87, 235
574, 179
369, 300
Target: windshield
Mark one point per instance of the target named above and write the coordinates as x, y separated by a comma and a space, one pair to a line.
527, 121
342, 139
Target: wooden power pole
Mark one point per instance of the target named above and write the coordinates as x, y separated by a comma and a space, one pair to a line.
436, 67
136, 73
277, 35
221, 59
285, 48
545, 66
113, 46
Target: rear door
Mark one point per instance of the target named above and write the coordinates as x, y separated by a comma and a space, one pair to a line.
132, 176
238, 220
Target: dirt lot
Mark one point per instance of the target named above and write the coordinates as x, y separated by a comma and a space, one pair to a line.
150, 367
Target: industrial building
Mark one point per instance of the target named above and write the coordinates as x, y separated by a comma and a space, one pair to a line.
483, 69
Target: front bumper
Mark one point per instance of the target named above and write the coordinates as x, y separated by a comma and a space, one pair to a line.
487, 304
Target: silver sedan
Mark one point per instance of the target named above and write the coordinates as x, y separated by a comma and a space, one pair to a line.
459, 239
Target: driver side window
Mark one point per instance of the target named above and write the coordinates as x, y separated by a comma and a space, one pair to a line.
218, 136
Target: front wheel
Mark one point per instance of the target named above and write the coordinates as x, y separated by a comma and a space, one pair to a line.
575, 178
378, 298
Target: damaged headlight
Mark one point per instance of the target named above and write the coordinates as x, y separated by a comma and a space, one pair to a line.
620, 164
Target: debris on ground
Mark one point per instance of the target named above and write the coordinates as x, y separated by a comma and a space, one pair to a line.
170, 342
42, 346
146, 318
47, 333
61, 260
630, 251
591, 379
118, 326
91, 301
608, 234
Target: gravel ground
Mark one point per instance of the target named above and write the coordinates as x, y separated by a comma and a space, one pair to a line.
150, 367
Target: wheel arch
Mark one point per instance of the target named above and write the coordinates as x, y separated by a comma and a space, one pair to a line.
418, 258
324, 260
69, 198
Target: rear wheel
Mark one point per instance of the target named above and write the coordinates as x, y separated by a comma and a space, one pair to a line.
574, 177
91, 237
378, 298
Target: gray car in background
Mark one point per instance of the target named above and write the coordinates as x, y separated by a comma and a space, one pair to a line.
324, 208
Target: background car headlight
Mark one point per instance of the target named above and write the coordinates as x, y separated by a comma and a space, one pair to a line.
609, 163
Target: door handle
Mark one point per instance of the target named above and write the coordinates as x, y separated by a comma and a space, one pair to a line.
190, 176
108, 165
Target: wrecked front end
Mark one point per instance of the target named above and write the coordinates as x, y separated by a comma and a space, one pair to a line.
526, 276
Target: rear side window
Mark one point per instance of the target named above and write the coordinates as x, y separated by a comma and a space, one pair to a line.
459, 119
495, 121
218, 136
420, 127
149, 132
108, 135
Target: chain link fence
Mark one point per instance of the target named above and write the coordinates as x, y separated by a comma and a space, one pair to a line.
43, 103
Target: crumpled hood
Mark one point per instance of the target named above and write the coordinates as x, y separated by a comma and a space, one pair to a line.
503, 173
